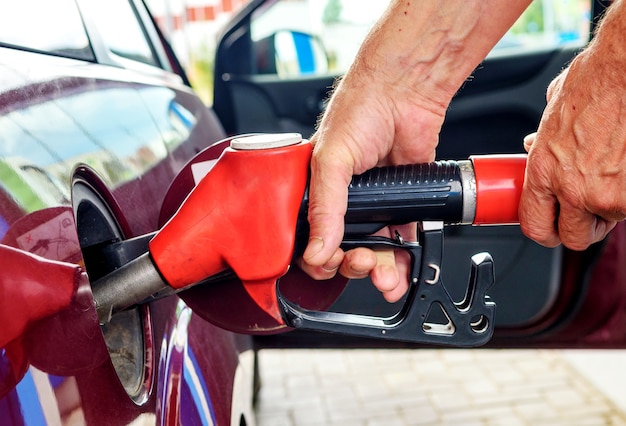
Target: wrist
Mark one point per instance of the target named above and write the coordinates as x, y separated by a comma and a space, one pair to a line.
428, 48
403, 54
606, 53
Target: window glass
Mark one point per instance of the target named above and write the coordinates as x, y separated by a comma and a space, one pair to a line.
121, 31
50, 26
341, 25
547, 24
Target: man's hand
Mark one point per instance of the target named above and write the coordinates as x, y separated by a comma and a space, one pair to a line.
388, 110
379, 129
575, 187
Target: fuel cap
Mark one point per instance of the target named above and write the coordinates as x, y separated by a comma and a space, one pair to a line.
265, 141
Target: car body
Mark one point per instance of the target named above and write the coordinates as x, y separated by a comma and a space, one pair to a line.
93, 139
120, 127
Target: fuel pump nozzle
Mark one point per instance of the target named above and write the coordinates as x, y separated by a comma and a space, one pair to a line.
248, 218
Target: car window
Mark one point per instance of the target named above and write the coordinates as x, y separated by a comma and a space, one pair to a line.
547, 24
49, 26
121, 31
339, 26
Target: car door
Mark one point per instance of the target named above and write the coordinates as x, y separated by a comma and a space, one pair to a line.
275, 65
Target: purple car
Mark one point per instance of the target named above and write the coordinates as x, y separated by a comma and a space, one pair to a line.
100, 137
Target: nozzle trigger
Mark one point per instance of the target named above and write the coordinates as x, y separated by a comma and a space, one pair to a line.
429, 314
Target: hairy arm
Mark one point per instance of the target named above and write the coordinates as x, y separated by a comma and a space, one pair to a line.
388, 109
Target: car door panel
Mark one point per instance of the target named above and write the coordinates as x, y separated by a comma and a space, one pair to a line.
495, 116
267, 104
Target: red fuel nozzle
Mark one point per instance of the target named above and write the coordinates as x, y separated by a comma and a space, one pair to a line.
26, 293
241, 216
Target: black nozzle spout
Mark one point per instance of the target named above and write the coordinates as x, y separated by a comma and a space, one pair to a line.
133, 283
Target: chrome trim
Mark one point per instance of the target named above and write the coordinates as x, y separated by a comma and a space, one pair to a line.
468, 183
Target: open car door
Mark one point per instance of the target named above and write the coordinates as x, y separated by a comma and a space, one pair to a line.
275, 65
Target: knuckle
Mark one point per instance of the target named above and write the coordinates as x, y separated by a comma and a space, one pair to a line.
533, 233
576, 242
606, 205
541, 234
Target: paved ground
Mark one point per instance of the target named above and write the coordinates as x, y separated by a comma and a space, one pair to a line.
442, 387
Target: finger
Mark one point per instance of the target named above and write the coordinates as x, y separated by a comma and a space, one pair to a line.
328, 197
358, 263
538, 209
390, 276
396, 294
529, 140
537, 215
402, 259
326, 271
385, 276
578, 229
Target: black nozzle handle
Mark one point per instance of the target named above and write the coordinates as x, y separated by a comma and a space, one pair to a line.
442, 191
438, 191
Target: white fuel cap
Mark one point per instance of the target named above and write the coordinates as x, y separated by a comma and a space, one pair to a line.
265, 141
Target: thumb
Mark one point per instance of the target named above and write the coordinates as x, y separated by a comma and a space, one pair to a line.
328, 198
529, 140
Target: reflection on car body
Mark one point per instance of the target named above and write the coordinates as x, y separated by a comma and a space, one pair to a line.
123, 131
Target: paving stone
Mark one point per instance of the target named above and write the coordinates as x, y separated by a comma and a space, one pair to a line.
450, 400
505, 421
424, 414
616, 420
565, 398
346, 422
479, 387
274, 419
311, 416
429, 387
536, 411
385, 421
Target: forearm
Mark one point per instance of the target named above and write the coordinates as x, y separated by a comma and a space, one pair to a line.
432, 46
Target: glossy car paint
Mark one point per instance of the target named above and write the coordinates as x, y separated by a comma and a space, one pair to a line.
126, 135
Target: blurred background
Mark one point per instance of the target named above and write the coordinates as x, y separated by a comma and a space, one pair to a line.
193, 27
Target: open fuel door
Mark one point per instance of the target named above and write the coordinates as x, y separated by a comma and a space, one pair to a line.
275, 65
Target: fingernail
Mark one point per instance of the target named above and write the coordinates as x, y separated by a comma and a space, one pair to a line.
330, 269
387, 278
530, 139
316, 244
359, 271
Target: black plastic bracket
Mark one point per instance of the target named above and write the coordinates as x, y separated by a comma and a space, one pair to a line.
429, 315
